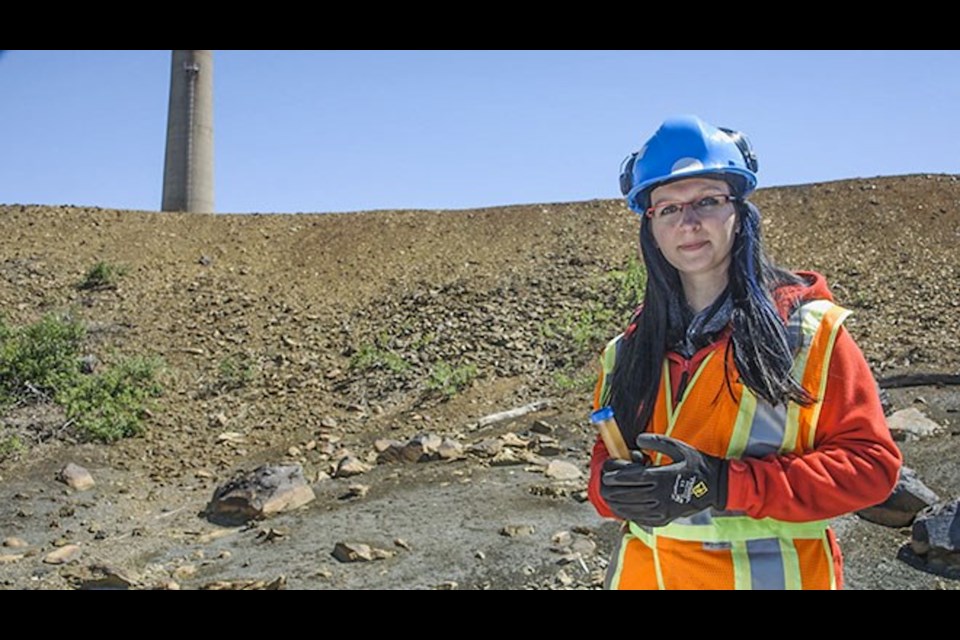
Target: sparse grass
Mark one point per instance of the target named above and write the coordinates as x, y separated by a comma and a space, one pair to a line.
41, 363
450, 380
575, 382
102, 275
371, 356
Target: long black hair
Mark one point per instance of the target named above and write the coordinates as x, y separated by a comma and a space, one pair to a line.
760, 348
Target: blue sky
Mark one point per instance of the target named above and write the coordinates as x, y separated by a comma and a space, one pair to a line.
321, 131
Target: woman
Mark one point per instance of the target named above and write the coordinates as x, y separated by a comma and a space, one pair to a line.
752, 414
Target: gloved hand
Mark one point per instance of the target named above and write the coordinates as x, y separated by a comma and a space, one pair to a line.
656, 496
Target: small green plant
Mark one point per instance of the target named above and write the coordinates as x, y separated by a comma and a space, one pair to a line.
39, 360
631, 282
450, 380
234, 372
586, 328
370, 356
10, 446
102, 275
110, 405
578, 383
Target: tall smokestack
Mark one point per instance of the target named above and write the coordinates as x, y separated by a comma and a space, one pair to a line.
188, 167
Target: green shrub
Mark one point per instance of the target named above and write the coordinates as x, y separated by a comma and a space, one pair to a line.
451, 380
41, 362
110, 405
102, 275
41, 359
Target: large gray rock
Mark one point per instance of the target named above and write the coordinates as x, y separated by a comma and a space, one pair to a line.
936, 537
259, 494
908, 498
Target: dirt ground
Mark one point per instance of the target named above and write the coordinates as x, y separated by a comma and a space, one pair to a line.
342, 323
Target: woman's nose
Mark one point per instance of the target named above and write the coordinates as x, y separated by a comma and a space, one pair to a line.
688, 217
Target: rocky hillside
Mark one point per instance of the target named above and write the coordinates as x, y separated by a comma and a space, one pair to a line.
299, 337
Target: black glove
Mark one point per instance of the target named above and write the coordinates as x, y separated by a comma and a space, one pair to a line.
656, 496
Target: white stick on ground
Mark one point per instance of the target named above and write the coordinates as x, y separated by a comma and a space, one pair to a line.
493, 418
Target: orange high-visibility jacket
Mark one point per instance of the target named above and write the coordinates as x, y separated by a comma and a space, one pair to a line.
792, 467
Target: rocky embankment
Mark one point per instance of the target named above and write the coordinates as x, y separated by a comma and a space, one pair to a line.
368, 350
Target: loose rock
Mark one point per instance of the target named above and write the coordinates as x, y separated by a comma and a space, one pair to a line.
102, 577
934, 546
259, 494
563, 470
359, 552
911, 424
515, 530
76, 477
350, 466
908, 498
277, 584
450, 449
63, 555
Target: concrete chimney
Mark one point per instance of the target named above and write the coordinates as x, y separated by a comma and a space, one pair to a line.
188, 167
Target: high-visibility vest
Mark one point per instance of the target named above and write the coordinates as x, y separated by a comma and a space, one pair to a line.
716, 549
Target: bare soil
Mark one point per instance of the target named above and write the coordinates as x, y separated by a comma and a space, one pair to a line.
307, 337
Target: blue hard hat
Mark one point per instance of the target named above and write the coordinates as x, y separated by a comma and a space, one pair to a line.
687, 147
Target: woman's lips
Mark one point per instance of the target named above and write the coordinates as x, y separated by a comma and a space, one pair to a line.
693, 246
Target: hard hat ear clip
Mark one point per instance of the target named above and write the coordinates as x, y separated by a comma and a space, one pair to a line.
626, 173
746, 149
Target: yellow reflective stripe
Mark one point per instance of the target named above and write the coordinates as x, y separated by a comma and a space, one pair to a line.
615, 579
640, 534
811, 316
732, 528
742, 578
607, 361
829, 554
649, 539
656, 562
741, 428
791, 566
792, 429
823, 376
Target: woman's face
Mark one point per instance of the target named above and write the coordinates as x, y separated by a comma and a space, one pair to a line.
695, 232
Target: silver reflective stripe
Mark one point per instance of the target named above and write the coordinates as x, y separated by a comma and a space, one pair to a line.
766, 564
766, 431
